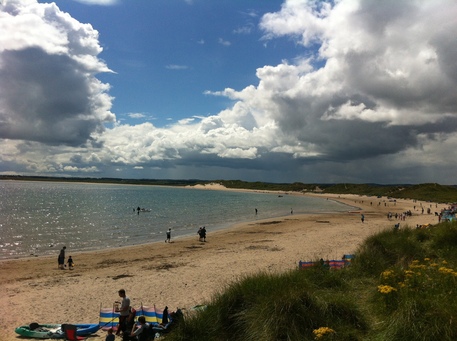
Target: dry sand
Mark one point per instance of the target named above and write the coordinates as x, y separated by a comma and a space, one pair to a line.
187, 272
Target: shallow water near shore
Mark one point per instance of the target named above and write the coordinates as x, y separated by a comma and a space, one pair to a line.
38, 218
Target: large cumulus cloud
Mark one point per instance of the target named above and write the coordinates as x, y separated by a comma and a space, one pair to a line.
388, 75
48, 89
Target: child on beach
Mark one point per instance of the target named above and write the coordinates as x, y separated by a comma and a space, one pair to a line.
70, 263
110, 336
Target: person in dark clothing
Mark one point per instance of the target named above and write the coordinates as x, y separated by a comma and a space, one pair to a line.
165, 316
140, 332
129, 323
70, 262
61, 258
203, 234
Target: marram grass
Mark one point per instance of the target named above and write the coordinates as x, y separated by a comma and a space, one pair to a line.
402, 285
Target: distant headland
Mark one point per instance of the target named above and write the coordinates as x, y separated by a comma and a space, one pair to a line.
427, 191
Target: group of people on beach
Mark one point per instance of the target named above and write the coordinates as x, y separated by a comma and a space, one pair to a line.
141, 331
130, 330
61, 259
202, 234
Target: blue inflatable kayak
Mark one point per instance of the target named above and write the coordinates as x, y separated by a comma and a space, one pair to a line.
54, 331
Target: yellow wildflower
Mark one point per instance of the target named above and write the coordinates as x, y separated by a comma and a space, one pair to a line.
409, 273
386, 289
420, 266
386, 274
321, 332
445, 270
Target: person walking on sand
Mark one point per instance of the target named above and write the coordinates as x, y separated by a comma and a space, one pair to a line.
203, 235
363, 218
123, 310
61, 258
168, 236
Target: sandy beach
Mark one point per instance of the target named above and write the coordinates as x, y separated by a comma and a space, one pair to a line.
187, 272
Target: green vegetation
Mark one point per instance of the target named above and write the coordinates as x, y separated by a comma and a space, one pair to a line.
156, 182
400, 286
431, 192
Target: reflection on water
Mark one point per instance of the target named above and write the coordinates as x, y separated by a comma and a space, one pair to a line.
37, 218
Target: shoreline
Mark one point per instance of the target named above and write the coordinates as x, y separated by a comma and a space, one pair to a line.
53, 250
187, 272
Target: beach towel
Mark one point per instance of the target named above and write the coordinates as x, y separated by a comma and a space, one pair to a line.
306, 265
332, 264
337, 264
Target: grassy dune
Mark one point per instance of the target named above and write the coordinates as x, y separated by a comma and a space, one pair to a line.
400, 286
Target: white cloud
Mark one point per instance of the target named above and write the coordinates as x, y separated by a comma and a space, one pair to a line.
381, 102
247, 29
48, 63
251, 13
136, 115
177, 67
224, 42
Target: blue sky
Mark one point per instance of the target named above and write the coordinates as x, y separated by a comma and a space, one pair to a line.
167, 53
280, 91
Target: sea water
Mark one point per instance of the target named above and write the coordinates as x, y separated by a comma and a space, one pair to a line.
38, 218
